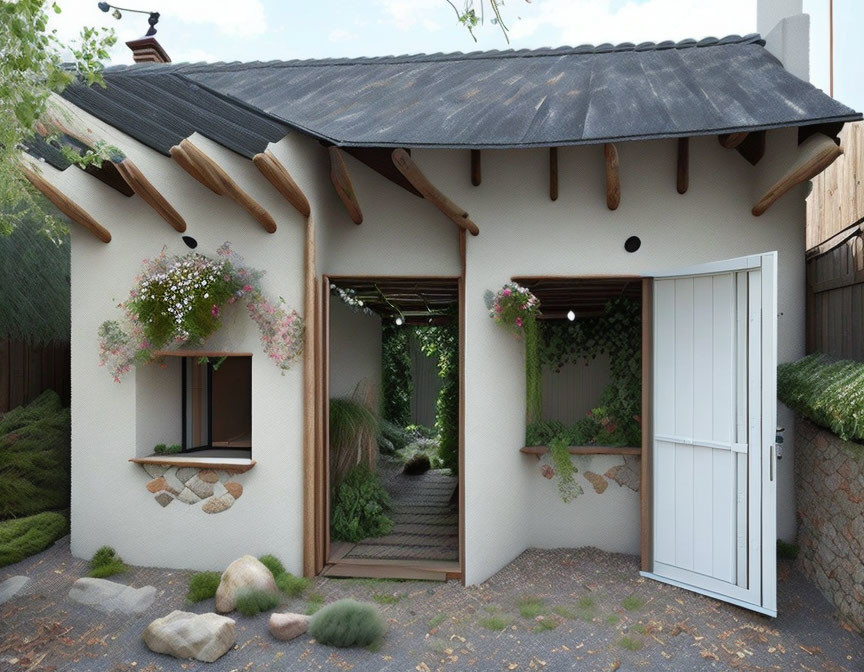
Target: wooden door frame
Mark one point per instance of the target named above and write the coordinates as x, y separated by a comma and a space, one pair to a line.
322, 471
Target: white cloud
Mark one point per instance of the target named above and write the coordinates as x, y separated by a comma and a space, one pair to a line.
341, 35
229, 17
406, 14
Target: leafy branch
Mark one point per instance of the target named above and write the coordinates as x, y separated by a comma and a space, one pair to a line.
468, 16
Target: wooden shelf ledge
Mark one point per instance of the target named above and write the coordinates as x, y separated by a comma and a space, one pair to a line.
539, 451
236, 465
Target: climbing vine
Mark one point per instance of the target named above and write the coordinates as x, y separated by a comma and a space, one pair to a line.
397, 383
442, 342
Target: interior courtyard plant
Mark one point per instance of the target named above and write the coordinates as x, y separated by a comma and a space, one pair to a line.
179, 300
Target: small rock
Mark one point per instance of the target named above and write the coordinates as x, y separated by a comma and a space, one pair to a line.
155, 470
204, 637
245, 572
287, 626
12, 586
157, 484
201, 488
164, 498
208, 476
185, 473
188, 497
219, 489
600, 484
234, 488
218, 504
108, 596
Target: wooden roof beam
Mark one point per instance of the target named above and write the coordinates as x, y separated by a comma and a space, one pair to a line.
277, 174
613, 176
65, 204
731, 140
341, 180
213, 176
431, 193
814, 155
683, 174
131, 174
553, 173
476, 168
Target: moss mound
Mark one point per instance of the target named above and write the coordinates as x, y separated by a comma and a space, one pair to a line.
24, 537
203, 585
348, 623
105, 563
251, 601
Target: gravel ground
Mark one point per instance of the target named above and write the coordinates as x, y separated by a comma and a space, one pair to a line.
548, 610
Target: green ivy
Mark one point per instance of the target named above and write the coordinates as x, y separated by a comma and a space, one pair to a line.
827, 391
559, 448
533, 370
443, 342
396, 381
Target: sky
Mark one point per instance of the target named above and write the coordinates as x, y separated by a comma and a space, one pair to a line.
248, 30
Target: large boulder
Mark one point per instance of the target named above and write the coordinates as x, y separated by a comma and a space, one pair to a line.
108, 596
204, 637
288, 626
246, 572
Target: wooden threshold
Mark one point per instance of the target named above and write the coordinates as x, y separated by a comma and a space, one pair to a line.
364, 568
236, 466
538, 451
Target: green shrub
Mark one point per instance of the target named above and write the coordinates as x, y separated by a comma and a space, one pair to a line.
348, 623
391, 437
162, 449
22, 537
34, 458
272, 563
421, 432
203, 585
105, 563
353, 428
291, 585
417, 464
251, 601
397, 381
829, 392
359, 506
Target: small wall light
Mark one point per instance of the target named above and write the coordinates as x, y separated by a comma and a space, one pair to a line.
632, 244
398, 321
571, 315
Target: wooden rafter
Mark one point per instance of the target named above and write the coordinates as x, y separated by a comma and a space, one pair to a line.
815, 154
613, 176
341, 180
277, 174
476, 169
213, 176
683, 174
553, 173
56, 121
65, 204
431, 193
731, 140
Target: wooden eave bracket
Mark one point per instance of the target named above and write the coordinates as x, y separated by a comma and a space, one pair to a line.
277, 174
553, 173
130, 173
65, 204
613, 176
341, 180
476, 168
403, 161
732, 140
815, 154
682, 181
209, 173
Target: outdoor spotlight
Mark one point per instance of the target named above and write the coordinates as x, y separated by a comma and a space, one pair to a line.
398, 321
104, 6
116, 14
359, 303
571, 315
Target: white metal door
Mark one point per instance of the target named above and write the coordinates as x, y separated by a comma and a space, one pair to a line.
714, 422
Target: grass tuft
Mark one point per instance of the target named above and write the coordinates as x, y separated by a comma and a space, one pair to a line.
633, 603
437, 620
613, 619
546, 624
272, 563
105, 563
22, 537
291, 585
630, 643
314, 602
252, 601
348, 623
388, 598
202, 586
530, 607
565, 612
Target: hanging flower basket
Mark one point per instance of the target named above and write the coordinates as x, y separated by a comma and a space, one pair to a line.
514, 307
178, 301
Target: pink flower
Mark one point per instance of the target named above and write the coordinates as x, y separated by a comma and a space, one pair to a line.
518, 321
506, 292
247, 288
215, 311
498, 308
547, 471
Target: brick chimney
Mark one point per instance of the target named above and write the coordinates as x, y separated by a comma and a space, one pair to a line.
148, 50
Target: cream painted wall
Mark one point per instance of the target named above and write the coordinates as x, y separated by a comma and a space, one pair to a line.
355, 350
509, 505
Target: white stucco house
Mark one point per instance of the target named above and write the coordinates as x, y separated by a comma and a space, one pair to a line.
556, 159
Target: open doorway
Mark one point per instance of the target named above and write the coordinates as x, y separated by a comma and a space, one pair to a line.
392, 441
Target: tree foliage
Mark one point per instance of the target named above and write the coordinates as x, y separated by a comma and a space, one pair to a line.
442, 342
397, 383
31, 69
473, 14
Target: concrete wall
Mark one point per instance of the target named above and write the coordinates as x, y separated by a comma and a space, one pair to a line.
355, 350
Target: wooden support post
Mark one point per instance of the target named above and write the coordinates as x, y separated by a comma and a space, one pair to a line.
683, 165
412, 173
645, 493
279, 177
62, 121
344, 188
476, 177
731, 140
613, 176
815, 154
310, 405
553, 173
211, 175
65, 204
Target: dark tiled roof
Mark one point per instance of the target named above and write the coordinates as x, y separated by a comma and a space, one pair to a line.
543, 97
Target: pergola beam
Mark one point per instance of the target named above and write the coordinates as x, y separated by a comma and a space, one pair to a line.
403, 161
613, 176
815, 154
213, 176
277, 174
65, 204
131, 174
341, 180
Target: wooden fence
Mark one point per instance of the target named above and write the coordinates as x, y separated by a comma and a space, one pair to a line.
28, 369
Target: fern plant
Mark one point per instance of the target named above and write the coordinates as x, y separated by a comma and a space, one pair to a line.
360, 504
